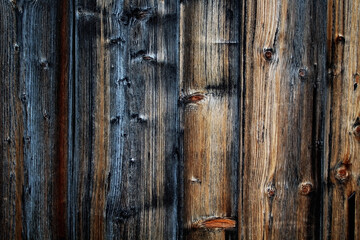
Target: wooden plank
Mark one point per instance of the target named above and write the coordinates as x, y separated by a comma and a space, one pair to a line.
11, 127
34, 118
209, 59
125, 166
282, 70
342, 166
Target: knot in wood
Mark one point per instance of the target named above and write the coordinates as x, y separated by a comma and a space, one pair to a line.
357, 131
302, 73
342, 174
270, 191
193, 98
306, 188
340, 39
268, 53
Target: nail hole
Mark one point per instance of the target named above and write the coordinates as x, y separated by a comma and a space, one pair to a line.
115, 120
27, 139
46, 115
8, 140
44, 64
340, 39
270, 190
23, 98
195, 180
302, 73
268, 53
16, 47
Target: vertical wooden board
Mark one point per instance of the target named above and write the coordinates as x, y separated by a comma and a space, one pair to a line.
125, 166
34, 115
11, 127
342, 149
209, 58
282, 70
91, 107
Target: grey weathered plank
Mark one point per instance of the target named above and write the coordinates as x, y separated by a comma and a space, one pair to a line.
342, 134
282, 73
34, 55
125, 166
209, 61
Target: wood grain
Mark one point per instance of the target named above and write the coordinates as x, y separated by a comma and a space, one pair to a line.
341, 163
282, 70
35, 71
164, 119
209, 53
124, 176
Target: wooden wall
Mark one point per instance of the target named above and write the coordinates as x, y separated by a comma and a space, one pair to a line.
186, 119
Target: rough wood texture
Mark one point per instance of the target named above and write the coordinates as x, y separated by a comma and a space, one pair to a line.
282, 68
179, 119
209, 53
124, 172
34, 66
342, 150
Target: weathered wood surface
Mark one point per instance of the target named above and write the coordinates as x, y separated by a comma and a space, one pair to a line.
282, 73
164, 119
124, 172
34, 66
209, 56
341, 167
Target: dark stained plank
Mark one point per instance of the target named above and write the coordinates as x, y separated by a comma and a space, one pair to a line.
282, 73
342, 134
125, 166
11, 127
35, 72
209, 62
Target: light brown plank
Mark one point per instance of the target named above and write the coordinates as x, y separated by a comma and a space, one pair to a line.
209, 53
282, 69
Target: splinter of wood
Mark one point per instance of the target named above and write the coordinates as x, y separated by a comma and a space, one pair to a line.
217, 222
